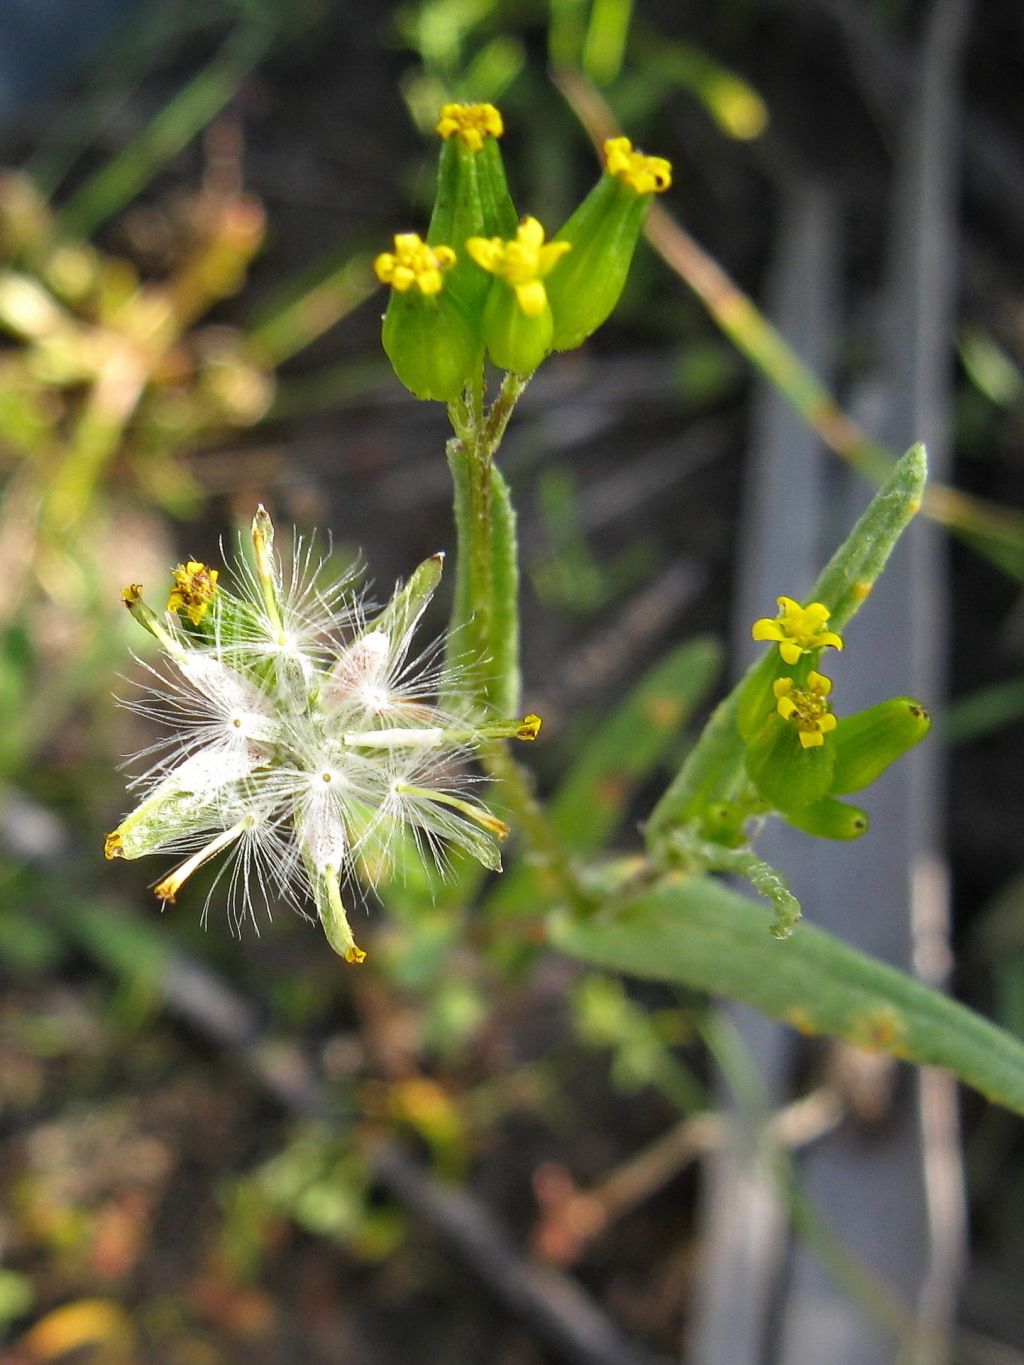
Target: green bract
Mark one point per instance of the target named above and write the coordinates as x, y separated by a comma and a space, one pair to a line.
786, 773
868, 742
514, 340
830, 819
431, 343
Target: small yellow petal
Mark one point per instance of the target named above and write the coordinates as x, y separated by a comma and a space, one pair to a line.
790, 651
532, 298
766, 629
811, 739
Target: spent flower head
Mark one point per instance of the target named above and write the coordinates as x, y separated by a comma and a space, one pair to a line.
304, 739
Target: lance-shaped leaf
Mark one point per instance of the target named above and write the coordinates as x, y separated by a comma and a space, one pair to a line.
698, 933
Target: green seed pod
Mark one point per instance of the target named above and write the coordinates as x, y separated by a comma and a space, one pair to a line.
830, 819
868, 742
427, 336
787, 773
472, 198
603, 233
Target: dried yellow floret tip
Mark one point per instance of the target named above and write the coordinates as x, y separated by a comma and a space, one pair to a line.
806, 707
530, 727
797, 629
414, 264
472, 122
112, 846
523, 262
131, 594
194, 587
645, 174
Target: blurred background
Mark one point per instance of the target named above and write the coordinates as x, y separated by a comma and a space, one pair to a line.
216, 1149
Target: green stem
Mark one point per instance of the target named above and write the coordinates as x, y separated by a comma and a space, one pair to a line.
502, 408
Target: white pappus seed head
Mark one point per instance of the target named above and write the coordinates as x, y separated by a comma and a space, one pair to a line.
305, 747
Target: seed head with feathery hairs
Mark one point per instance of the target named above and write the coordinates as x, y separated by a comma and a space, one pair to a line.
305, 742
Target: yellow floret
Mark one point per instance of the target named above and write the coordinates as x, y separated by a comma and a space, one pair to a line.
806, 707
522, 262
471, 122
414, 264
645, 174
797, 629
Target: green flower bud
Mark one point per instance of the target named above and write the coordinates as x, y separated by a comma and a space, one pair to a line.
603, 233
517, 322
427, 336
830, 819
472, 198
868, 742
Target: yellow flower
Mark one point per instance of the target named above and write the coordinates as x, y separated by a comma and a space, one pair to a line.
645, 174
797, 629
523, 262
414, 263
806, 707
472, 122
194, 587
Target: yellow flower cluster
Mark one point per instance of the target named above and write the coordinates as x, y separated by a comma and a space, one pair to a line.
645, 174
806, 707
797, 629
471, 122
414, 263
194, 587
523, 262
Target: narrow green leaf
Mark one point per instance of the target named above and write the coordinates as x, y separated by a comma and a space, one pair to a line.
698, 933
850, 574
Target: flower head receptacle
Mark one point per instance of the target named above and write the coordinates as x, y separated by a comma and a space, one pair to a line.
428, 338
603, 233
517, 323
797, 630
303, 745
